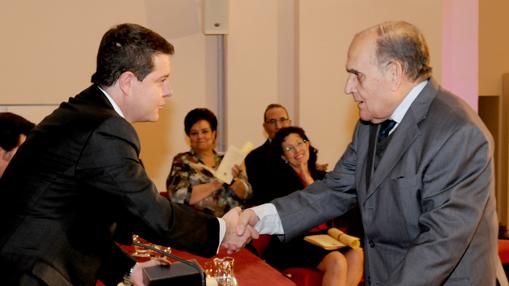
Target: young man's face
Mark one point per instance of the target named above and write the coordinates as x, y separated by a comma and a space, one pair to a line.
147, 97
275, 119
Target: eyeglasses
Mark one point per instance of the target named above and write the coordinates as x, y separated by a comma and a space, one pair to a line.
299, 145
274, 122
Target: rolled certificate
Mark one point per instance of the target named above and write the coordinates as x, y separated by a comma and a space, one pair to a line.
344, 238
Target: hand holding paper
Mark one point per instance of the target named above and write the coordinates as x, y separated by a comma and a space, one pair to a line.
233, 156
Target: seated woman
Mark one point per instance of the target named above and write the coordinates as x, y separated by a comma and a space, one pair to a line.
339, 268
189, 183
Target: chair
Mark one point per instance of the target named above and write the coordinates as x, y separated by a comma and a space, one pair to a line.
503, 250
304, 276
503, 255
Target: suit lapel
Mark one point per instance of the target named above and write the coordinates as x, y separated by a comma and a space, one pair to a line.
403, 137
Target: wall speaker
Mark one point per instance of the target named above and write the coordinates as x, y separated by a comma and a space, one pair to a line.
215, 17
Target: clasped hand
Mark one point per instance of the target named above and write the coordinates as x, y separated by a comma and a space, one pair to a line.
239, 229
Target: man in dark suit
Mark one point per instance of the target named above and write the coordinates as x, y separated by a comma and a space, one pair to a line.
77, 183
259, 161
425, 188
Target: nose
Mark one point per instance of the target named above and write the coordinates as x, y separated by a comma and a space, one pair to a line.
298, 151
350, 84
167, 91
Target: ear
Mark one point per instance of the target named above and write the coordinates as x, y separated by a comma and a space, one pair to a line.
125, 82
394, 72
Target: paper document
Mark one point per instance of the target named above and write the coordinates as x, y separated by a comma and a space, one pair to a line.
233, 156
334, 239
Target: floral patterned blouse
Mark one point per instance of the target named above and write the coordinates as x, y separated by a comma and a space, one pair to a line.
185, 174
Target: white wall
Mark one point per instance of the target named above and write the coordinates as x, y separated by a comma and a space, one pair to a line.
285, 51
252, 68
48, 55
49, 47
324, 44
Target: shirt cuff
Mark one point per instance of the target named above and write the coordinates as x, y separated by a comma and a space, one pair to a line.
270, 222
222, 231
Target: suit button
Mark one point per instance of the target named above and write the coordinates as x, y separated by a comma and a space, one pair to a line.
371, 243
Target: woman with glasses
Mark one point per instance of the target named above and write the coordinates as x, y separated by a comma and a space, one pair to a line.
190, 183
339, 268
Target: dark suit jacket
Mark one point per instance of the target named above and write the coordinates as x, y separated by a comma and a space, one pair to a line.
429, 212
261, 167
75, 180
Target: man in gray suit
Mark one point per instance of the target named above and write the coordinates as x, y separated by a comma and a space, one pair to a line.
425, 188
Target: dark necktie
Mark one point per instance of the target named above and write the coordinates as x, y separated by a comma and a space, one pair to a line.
385, 129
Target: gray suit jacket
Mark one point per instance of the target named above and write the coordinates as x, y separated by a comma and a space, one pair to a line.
429, 212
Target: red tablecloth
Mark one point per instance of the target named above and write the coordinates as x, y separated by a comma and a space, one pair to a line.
249, 269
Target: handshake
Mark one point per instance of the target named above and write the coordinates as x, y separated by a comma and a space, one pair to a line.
240, 229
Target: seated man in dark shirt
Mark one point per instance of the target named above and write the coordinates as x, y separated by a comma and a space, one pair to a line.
258, 162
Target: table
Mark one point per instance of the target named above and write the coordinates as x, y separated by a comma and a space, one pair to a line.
249, 269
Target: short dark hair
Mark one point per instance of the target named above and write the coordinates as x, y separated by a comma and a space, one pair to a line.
271, 106
277, 144
128, 47
11, 127
198, 114
403, 42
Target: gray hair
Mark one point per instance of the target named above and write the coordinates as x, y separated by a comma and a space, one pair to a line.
403, 42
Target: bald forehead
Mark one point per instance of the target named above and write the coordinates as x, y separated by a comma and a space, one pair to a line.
364, 38
362, 48
274, 111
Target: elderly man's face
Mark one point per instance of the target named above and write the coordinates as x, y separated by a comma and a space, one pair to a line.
368, 82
